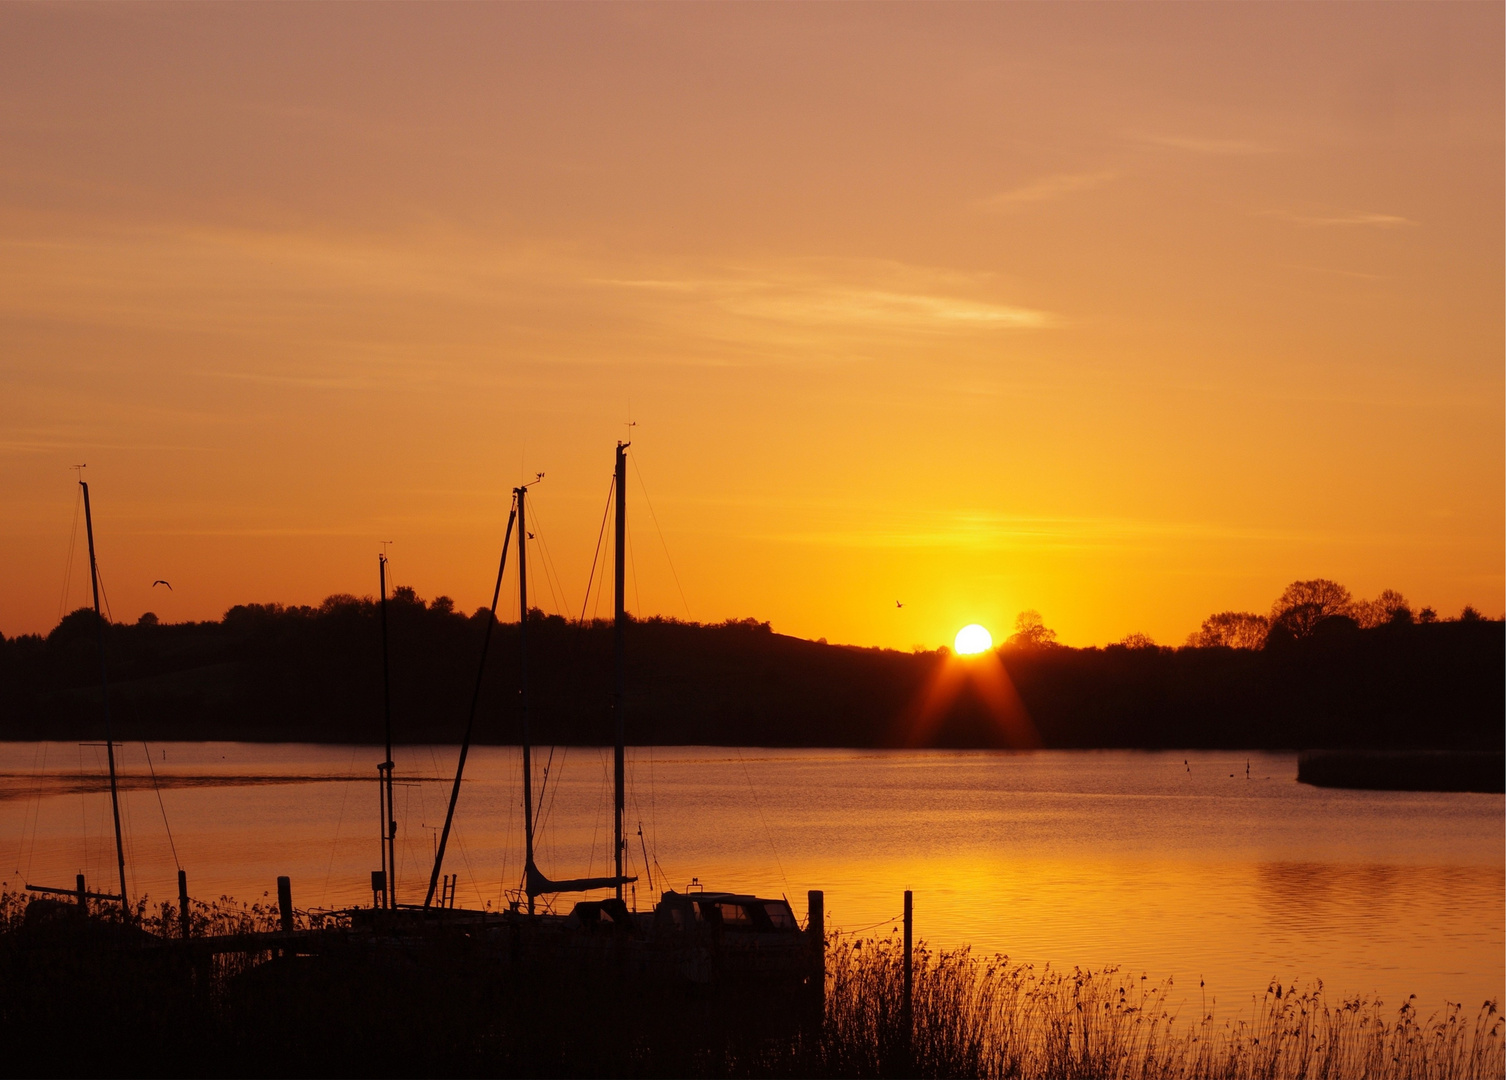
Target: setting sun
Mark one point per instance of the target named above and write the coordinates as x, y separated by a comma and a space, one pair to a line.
973, 638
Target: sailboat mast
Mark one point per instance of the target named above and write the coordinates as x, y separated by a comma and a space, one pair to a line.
104, 680
619, 624
528, 770
384, 779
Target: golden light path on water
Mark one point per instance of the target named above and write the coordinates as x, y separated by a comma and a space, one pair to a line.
1168, 864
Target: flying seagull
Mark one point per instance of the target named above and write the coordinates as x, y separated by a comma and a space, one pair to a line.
899, 604
159, 581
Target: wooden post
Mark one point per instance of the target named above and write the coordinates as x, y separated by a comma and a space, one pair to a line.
183, 901
907, 1027
816, 929
285, 902
83, 898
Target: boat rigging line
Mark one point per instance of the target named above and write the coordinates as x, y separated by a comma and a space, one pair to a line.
33, 810
172, 846
78, 506
769, 836
514, 513
645, 849
552, 577
655, 518
541, 808
345, 794
597, 551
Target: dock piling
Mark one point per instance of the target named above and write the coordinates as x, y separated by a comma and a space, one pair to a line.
816, 928
905, 1015
285, 902
83, 897
183, 901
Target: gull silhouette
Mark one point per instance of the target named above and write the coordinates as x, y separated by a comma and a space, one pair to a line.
159, 581
899, 604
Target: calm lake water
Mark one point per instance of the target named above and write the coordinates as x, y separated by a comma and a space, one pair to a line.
1168, 864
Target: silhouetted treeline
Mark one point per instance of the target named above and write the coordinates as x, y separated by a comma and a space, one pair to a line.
265, 672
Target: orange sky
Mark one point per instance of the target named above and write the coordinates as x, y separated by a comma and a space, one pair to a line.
1126, 314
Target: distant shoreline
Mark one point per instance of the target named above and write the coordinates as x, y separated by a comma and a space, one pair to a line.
315, 676
1479, 771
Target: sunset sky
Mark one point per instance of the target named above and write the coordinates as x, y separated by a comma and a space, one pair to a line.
1126, 314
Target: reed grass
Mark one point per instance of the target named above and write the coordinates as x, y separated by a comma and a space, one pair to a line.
451, 1015
992, 1018
207, 918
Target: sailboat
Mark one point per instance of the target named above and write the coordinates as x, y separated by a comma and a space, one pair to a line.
697, 934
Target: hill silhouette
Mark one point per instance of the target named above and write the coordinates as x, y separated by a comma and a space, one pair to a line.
267, 672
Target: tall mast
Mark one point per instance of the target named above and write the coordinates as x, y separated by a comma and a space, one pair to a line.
384, 771
104, 681
528, 771
619, 624
481, 669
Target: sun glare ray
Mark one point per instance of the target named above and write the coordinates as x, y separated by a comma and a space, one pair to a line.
979, 686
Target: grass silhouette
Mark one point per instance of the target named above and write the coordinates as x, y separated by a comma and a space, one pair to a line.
992, 1018
119, 1010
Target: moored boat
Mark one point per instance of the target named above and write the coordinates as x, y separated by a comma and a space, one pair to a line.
696, 935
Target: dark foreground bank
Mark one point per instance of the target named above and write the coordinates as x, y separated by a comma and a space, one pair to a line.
95, 1002
314, 675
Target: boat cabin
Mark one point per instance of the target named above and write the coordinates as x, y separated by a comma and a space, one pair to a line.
729, 912
608, 916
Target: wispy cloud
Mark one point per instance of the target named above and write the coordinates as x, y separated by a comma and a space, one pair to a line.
906, 300
1353, 220
310, 382
252, 282
829, 304
1336, 271
86, 445
1043, 190
1212, 147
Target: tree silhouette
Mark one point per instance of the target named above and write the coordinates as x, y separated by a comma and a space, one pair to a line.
1231, 629
1303, 605
1031, 632
1389, 607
